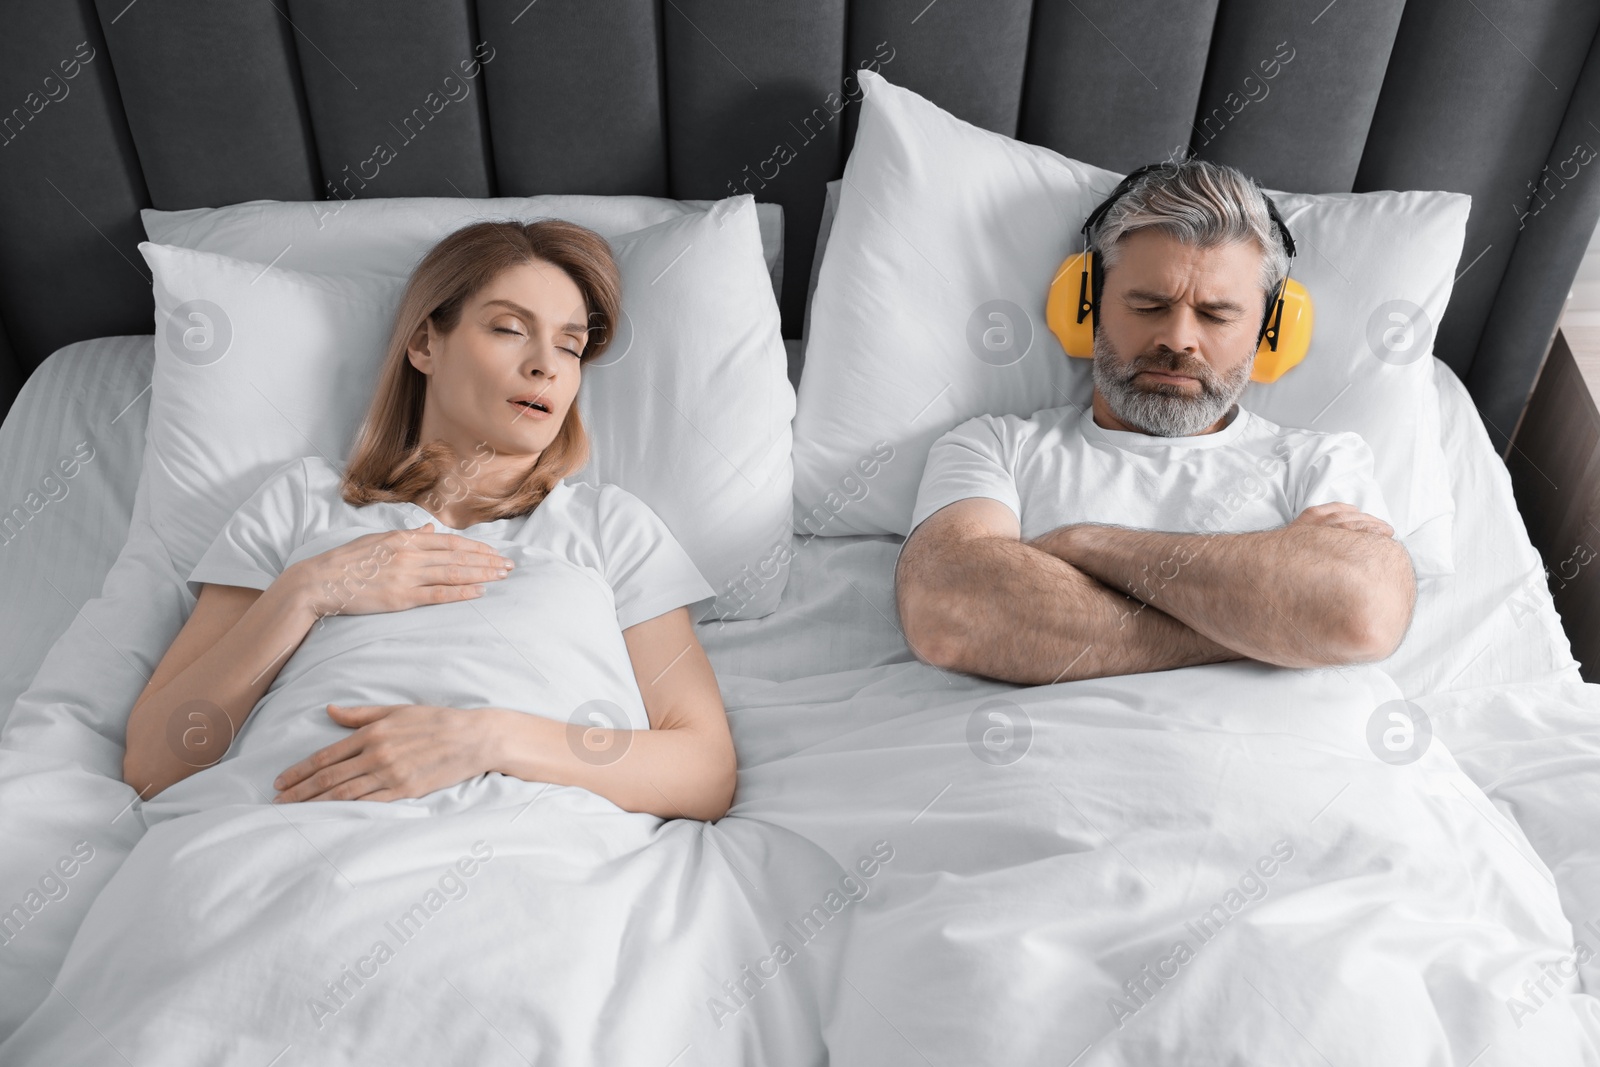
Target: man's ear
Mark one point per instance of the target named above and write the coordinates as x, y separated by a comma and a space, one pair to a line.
419, 350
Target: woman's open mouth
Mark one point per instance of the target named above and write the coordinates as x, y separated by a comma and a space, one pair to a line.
532, 408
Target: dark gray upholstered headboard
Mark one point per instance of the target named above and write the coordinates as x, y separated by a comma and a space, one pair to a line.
189, 103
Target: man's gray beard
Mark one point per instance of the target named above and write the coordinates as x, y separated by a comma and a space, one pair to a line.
1164, 409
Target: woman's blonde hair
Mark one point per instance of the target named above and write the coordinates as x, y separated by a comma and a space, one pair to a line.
388, 462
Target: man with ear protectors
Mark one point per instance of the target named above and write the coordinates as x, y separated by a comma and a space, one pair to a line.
1165, 526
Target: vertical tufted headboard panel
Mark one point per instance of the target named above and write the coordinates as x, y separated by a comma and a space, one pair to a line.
184, 103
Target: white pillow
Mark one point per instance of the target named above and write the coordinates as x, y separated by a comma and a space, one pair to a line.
939, 224
689, 410
1380, 267
389, 236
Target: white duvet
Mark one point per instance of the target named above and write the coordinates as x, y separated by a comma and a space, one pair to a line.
543, 640
1198, 866
1204, 866
498, 923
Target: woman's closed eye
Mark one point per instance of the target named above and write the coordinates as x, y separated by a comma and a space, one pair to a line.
573, 352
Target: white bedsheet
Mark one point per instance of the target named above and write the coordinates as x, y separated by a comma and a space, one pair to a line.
95, 393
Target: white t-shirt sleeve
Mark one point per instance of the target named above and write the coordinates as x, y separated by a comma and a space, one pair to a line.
648, 571
977, 458
253, 547
1343, 471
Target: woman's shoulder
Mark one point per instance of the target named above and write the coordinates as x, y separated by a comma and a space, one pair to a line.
317, 472
302, 482
305, 468
592, 494
606, 505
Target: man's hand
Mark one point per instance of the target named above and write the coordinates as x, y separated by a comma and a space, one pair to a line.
1332, 587
974, 597
1344, 517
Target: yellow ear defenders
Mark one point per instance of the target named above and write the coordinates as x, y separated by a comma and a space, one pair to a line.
1075, 298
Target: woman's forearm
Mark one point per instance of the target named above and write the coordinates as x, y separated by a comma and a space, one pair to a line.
188, 724
674, 773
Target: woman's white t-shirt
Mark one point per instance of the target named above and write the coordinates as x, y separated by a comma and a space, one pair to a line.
591, 561
604, 529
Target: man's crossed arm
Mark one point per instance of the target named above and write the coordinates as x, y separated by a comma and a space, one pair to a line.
1085, 601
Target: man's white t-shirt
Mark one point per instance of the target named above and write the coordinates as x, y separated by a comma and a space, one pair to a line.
1059, 466
591, 561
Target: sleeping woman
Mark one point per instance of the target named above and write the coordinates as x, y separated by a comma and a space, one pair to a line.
447, 605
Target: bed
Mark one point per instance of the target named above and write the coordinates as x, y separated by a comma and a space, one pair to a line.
1205, 865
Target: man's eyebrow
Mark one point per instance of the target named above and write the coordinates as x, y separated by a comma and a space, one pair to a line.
1163, 298
571, 327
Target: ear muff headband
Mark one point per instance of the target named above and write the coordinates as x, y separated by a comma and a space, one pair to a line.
1071, 311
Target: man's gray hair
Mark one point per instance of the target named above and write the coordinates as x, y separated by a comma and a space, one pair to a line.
1200, 203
